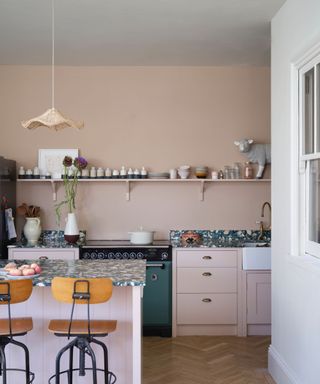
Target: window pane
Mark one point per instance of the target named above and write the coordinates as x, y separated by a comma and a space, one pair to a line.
314, 201
309, 111
318, 107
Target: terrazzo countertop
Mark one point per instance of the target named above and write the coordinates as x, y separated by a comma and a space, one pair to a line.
122, 272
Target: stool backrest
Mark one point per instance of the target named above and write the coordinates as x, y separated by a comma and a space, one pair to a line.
15, 291
99, 289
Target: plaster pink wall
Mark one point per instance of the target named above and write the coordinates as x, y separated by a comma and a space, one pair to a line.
159, 117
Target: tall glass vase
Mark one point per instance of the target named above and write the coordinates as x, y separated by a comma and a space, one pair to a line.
71, 232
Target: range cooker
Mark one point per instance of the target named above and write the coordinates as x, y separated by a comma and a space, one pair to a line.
157, 296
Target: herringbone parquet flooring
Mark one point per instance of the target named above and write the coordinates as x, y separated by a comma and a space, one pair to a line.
206, 360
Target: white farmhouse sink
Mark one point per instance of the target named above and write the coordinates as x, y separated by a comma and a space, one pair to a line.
256, 258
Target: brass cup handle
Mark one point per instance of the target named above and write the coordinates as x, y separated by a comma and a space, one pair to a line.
207, 274
207, 300
207, 257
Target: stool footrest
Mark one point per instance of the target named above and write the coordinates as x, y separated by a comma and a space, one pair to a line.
22, 370
111, 376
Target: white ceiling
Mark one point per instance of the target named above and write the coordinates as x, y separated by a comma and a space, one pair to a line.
138, 32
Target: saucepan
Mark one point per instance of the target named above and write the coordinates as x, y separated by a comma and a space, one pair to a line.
141, 237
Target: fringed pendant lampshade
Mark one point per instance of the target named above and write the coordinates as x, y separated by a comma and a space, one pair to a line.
52, 118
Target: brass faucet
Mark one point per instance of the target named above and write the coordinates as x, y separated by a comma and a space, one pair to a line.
262, 228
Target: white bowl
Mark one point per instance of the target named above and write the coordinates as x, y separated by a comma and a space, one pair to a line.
184, 167
183, 173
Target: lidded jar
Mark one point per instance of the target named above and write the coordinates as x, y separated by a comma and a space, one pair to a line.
248, 170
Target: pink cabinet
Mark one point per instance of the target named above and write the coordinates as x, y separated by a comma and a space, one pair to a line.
45, 253
258, 299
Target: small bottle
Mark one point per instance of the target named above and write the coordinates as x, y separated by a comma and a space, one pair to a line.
100, 173
143, 173
47, 175
173, 173
237, 170
214, 175
93, 173
21, 173
115, 174
130, 174
108, 173
248, 170
29, 174
123, 172
227, 172
220, 174
85, 173
36, 173
136, 174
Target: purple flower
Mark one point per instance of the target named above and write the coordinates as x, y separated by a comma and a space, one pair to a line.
80, 162
67, 161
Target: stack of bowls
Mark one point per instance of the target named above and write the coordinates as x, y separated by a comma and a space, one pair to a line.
201, 172
184, 171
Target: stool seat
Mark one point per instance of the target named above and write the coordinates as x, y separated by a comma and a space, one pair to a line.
19, 325
80, 327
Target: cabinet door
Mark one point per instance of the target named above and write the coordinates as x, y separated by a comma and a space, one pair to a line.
259, 298
34, 254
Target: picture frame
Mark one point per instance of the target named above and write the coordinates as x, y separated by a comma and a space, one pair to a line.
50, 161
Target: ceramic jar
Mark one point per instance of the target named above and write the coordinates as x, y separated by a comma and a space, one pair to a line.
32, 230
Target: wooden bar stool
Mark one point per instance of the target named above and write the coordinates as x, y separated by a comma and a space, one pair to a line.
13, 292
84, 332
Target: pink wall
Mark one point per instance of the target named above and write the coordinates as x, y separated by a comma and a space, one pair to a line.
159, 117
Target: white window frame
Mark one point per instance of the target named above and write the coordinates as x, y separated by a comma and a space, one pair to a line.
300, 245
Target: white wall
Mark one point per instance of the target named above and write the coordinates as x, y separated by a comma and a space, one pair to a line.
294, 354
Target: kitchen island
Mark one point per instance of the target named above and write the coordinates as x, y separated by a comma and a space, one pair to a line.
124, 344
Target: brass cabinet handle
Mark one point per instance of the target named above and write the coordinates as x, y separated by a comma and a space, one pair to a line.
207, 274
207, 300
43, 258
207, 257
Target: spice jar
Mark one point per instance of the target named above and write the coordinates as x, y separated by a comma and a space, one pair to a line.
248, 170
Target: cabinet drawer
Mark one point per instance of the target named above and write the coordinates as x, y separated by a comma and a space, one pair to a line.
212, 280
219, 308
33, 254
207, 258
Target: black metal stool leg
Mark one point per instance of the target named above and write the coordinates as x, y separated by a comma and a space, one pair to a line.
94, 363
4, 365
58, 358
105, 358
70, 373
27, 358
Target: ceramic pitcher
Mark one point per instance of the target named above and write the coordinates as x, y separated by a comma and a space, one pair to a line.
71, 232
32, 230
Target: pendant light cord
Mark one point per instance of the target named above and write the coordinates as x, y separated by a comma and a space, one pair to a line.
52, 57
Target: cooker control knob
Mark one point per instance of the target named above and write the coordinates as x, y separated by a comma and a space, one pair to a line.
100, 255
110, 255
164, 256
86, 255
132, 255
126, 255
93, 255
140, 255
118, 255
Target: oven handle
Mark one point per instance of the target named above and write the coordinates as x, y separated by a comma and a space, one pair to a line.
158, 265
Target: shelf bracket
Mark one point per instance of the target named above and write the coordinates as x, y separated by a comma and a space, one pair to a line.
128, 190
201, 196
54, 190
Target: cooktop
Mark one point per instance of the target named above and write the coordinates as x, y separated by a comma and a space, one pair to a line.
124, 244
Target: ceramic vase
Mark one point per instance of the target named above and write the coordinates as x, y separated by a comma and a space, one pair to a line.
32, 230
71, 232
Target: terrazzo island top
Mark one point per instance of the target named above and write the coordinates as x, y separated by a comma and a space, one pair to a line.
122, 272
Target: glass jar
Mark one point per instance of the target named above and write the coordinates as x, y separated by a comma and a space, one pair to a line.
226, 172
237, 170
248, 170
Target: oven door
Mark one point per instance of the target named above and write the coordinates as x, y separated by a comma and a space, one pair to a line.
157, 299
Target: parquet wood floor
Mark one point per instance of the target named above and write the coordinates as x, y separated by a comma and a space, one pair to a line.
206, 360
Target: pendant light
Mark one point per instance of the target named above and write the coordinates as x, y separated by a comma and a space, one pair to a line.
52, 118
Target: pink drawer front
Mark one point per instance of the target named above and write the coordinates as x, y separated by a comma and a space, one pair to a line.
212, 280
207, 258
205, 308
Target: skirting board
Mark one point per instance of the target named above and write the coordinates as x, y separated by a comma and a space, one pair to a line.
279, 370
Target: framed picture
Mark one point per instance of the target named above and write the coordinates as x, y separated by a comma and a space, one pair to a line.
50, 160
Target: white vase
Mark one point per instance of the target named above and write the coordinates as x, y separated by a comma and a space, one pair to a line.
71, 232
32, 230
